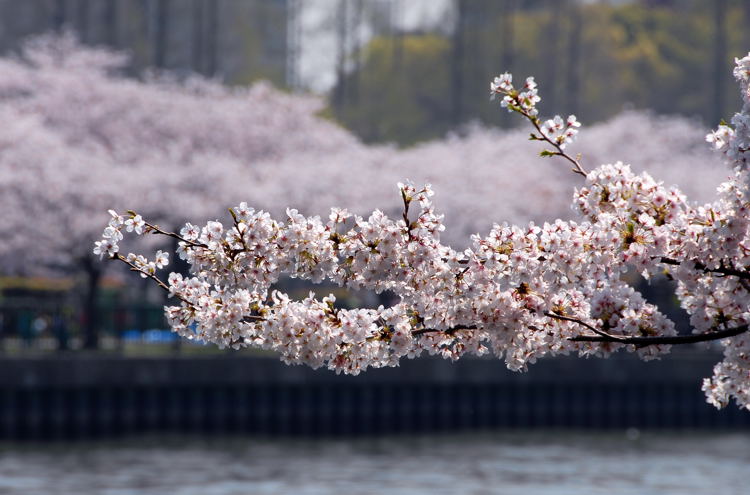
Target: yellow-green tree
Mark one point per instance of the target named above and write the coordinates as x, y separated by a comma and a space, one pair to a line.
402, 97
593, 60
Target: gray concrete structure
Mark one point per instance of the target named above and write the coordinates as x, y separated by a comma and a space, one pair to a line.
98, 395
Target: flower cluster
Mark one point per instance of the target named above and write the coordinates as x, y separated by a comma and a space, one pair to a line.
556, 131
559, 131
523, 101
734, 140
520, 292
719, 241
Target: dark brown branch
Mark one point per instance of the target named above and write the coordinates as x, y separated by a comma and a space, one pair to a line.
597, 331
252, 318
158, 230
160, 283
602, 336
722, 270
239, 232
577, 168
449, 331
672, 340
134, 268
405, 215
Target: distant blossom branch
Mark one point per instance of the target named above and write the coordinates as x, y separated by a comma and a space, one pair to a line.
556, 131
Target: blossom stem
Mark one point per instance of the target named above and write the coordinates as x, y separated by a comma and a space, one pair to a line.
449, 331
174, 235
602, 336
577, 168
153, 277
723, 270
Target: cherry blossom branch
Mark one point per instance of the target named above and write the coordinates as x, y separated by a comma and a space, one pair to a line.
597, 331
407, 200
252, 318
408, 194
448, 331
133, 267
554, 132
666, 340
602, 336
503, 283
577, 168
722, 270
158, 230
238, 229
160, 283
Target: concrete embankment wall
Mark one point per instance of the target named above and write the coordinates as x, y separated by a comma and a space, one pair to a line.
100, 396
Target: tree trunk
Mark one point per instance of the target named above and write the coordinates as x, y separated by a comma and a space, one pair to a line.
720, 65
161, 33
553, 43
197, 36
141, 317
356, 52
507, 35
91, 328
212, 40
59, 15
294, 47
507, 49
109, 21
60, 331
572, 77
397, 35
183, 268
82, 20
457, 66
339, 92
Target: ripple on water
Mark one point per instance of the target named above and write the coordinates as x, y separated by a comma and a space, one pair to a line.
527, 463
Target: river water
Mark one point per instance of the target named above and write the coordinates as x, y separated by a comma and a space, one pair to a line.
512, 463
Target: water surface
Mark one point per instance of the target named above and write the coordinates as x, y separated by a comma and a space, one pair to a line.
512, 463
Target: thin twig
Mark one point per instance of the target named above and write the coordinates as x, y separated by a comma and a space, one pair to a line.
406, 215
252, 318
159, 282
577, 168
602, 336
597, 331
672, 340
174, 235
722, 270
449, 331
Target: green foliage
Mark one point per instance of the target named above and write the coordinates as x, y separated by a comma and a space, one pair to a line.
399, 95
629, 56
